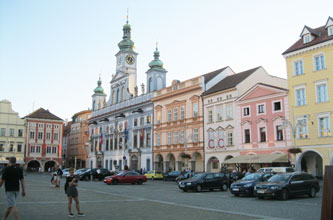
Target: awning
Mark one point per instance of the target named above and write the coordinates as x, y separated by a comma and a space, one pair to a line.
266, 158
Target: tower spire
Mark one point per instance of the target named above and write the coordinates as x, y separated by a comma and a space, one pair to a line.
127, 17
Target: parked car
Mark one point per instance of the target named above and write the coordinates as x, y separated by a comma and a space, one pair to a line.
246, 185
285, 185
100, 173
84, 174
202, 181
276, 170
65, 172
185, 176
126, 177
172, 175
154, 175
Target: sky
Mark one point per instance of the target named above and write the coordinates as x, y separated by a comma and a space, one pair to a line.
53, 51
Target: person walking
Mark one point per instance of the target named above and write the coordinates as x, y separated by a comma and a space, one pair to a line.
12, 176
72, 193
59, 174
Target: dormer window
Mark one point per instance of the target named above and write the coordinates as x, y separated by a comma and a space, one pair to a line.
330, 31
307, 38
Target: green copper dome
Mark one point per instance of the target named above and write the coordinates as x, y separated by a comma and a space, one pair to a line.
126, 43
156, 63
99, 89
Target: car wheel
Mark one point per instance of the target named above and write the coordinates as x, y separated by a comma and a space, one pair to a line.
139, 182
198, 188
260, 197
108, 183
114, 182
236, 195
284, 194
312, 192
152, 178
224, 187
184, 190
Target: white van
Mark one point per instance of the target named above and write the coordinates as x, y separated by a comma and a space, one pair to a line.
276, 169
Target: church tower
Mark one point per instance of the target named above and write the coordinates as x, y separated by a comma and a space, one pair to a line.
98, 98
124, 81
156, 75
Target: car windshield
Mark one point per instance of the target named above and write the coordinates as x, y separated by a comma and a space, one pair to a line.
199, 176
253, 176
150, 172
279, 178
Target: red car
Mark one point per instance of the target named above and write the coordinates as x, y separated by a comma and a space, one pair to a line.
126, 177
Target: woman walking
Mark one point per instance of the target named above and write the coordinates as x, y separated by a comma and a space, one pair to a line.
71, 192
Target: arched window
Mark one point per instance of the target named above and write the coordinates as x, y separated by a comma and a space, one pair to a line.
118, 96
159, 83
150, 85
113, 97
122, 94
93, 106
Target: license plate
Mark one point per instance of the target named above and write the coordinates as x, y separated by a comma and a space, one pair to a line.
235, 189
261, 191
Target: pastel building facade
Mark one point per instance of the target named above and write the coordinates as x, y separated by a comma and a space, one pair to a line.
12, 134
222, 121
310, 70
43, 140
263, 110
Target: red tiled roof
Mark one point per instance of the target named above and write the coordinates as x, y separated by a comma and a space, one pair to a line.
320, 36
43, 114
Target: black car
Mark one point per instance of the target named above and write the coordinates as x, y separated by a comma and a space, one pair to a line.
246, 185
185, 176
202, 181
100, 173
288, 184
84, 174
172, 175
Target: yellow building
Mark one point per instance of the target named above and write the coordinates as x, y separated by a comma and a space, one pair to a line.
310, 83
12, 134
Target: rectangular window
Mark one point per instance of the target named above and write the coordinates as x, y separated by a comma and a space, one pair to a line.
230, 138
195, 135
107, 144
141, 141
55, 136
142, 121
262, 134
210, 116
120, 143
111, 142
48, 150
307, 39
135, 141
169, 115
19, 148
319, 62
175, 137
40, 125
279, 133
247, 136
3, 131
1, 147
277, 106
246, 111
261, 109
48, 136
182, 135
20, 132
158, 139
32, 149
300, 97
302, 128
229, 111
322, 93
324, 126
298, 68
148, 139
175, 114
12, 131
38, 148
330, 32
135, 122
40, 135
158, 117
11, 148
195, 110
182, 113
148, 119
219, 113
54, 150
169, 138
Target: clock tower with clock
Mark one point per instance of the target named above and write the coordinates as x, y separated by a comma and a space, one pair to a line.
124, 81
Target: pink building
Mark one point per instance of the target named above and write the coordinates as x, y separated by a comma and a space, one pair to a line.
262, 110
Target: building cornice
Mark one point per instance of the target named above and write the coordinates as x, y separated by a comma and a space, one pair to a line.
309, 49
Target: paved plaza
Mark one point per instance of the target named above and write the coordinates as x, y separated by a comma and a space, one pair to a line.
153, 200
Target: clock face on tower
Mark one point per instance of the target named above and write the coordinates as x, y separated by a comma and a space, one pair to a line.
130, 59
